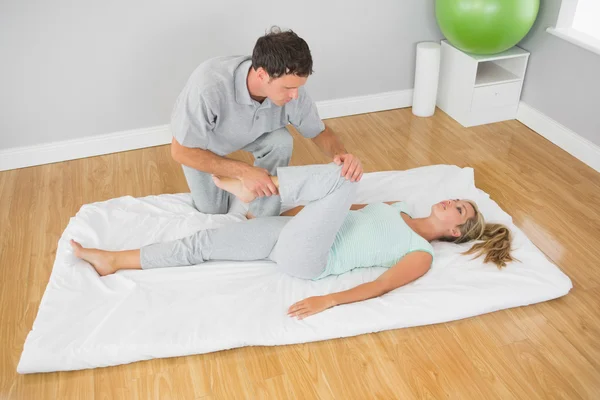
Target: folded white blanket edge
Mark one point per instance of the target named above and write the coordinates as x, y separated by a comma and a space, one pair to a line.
85, 321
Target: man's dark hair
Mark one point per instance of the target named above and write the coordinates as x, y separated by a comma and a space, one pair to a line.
281, 53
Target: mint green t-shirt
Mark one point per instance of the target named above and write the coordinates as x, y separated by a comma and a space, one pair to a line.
376, 235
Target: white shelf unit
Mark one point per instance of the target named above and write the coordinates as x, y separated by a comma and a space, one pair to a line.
480, 89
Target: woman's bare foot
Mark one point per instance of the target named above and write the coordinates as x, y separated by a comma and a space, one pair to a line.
235, 187
102, 261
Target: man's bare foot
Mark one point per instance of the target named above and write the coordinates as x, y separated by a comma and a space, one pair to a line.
102, 261
235, 187
249, 215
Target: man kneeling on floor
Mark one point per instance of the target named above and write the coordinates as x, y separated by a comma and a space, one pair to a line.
245, 103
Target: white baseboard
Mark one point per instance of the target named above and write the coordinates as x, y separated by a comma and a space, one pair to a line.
563, 137
365, 104
20, 157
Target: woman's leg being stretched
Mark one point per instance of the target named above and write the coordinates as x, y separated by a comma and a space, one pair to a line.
304, 243
303, 247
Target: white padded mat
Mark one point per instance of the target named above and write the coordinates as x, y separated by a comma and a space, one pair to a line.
85, 321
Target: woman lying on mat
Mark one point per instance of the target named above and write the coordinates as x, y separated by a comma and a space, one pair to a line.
324, 238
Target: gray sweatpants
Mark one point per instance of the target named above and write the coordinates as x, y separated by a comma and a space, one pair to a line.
270, 151
299, 245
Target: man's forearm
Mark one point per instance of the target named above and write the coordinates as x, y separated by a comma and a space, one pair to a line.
329, 143
209, 162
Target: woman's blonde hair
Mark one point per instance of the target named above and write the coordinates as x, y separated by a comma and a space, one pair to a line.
495, 239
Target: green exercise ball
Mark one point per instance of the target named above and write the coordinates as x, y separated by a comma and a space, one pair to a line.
485, 26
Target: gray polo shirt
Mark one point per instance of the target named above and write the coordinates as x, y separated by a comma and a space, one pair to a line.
215, 111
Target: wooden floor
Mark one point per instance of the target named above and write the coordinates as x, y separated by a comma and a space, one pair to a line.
545, 350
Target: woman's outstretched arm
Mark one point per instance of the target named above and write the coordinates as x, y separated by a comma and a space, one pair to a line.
409, 268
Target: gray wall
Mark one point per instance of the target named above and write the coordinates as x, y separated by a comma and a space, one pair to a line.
562, 79
71, 69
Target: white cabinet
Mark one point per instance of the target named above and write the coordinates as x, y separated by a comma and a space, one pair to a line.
480, 89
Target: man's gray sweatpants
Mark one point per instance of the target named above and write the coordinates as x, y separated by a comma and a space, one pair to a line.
270, 151
299, 245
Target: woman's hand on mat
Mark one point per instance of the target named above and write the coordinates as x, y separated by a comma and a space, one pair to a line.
352, 168
310, 306
258, 181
